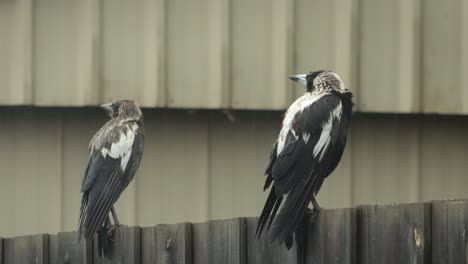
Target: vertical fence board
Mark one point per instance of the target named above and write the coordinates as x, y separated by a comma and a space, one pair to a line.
332, 237
174, 244
394, 233
64, 248
449, 225
149, 247
1, 251
219, 241
26, 249
260, 251
126, 247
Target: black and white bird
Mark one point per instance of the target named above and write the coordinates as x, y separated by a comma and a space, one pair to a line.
309, 147
115, 154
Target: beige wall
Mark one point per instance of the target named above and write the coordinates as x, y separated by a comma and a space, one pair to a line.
200, 166
404, 56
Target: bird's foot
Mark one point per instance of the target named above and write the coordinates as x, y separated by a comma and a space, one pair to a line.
111, 231
317, 209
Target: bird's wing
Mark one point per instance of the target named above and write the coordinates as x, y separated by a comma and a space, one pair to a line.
104, 178
299, 168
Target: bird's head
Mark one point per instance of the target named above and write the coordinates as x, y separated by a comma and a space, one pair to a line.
317, 81
122, 108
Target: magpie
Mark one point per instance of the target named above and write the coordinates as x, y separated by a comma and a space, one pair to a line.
115, 154
309, 147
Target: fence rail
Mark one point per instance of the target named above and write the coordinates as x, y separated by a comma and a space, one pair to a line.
432, 232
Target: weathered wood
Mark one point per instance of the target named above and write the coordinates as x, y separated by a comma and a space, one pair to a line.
260, 251
220, 241
331, 237
1, 250
449, 224
394, 233
126, 248
64, 248
174, 244
26, 249
148, 245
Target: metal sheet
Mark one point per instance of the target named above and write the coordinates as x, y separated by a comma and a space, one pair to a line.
389, 56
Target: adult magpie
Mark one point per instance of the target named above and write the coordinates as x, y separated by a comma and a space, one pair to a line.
309, 147
115, 154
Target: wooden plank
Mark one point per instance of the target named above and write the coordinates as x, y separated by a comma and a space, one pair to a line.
219, 241
126, 248
1, 251
63, 248
259, 251
26, 249
149, 240
173, 244
332, 237
449, 223
394, 233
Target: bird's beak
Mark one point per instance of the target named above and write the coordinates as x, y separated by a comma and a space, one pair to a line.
301, 78
107, 107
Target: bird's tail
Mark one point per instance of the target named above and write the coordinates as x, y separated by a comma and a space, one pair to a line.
292, 214
105, 241
269, 211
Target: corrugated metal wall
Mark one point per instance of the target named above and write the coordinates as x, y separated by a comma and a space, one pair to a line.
405, 56
200, 165
402, 56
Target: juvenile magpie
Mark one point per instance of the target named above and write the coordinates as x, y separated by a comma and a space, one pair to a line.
308, 148
115, 154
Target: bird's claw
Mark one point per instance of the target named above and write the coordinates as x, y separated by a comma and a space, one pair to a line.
317, 209
111, 230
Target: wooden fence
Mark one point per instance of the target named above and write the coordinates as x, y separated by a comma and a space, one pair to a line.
404, 233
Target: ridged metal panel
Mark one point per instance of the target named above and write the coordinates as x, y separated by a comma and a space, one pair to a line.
445, 57
326, 38
262, 53
396, 56
200, 165
62, 70
389, 56
15, 52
